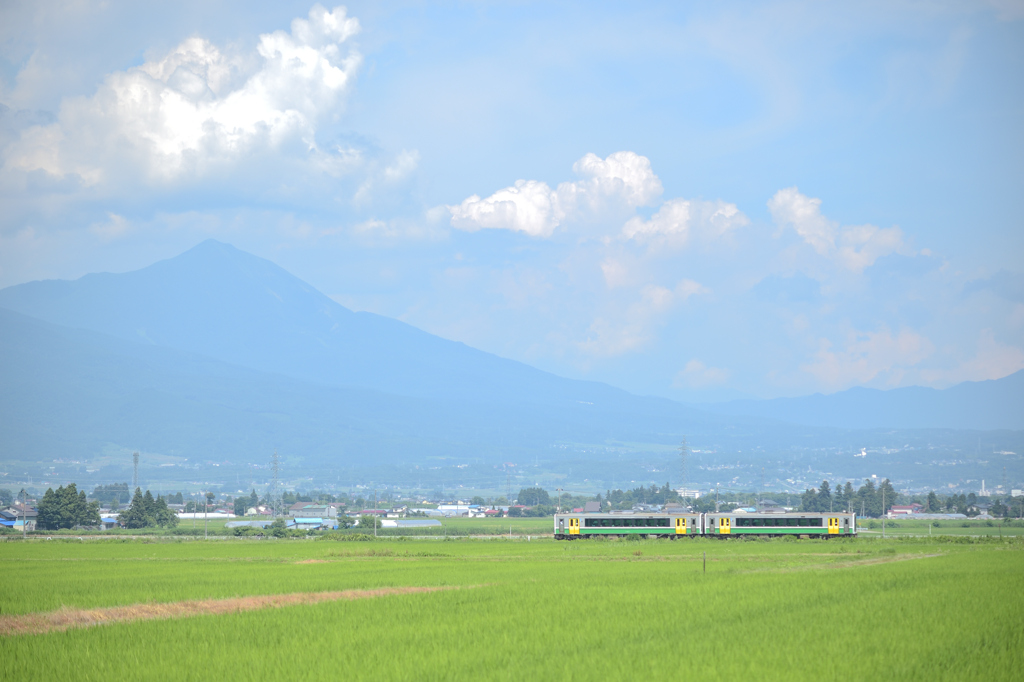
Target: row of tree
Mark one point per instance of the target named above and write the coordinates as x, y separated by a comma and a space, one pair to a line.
148, 512
66, 507
868, 500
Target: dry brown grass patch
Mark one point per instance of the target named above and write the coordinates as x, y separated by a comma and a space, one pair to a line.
67, 618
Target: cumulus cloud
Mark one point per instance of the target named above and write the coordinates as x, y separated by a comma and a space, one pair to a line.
197, 108
854, 247
635, 326
698, 375
622, 180
528, 206
678, 218
868, 356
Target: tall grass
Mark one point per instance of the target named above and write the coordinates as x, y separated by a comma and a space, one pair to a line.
909, 609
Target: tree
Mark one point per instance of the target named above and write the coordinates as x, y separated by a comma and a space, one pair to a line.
869, 499
6, 497
533, 496
825, 497
254, 499
367, 523
240, 505
146, 512
848, 495
477, 500
66, 508
164, 515
932, 505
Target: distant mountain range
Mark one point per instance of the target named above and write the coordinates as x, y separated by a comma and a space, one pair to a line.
217, 354
978, 405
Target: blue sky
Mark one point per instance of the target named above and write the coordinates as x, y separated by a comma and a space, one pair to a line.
696, 200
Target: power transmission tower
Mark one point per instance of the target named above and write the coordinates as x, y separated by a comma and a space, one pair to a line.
275, 468
684, 455
135, 471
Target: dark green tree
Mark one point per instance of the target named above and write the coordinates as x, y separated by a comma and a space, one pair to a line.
254, 499
66, 507
532, 496
932, 504
164, 515
137, 514
240, 505
809, 500
367, 523
6, 497
147, 512
848, 495
825, 497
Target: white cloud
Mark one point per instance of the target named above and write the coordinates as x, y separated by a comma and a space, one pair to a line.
868, 356
677, 218
198, 108
623, 180
993, 360
624, 176
634, 327
392, 175
528, 206
855, 247
114, 228
698, 375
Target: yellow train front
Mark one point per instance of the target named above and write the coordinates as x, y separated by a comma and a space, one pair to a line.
685, 524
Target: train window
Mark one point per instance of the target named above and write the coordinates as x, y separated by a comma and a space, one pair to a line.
805, 522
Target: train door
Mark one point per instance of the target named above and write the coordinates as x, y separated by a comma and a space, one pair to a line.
725, 525
680, 525
561, 526
846, 525
833, 526
574, 526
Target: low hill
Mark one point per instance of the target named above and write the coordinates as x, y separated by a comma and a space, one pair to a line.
977, 405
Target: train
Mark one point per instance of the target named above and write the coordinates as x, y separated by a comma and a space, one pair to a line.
680, 524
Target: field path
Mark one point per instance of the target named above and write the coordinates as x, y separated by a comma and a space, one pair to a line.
66, 618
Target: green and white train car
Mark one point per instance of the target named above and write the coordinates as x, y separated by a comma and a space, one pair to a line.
685, 524
652, 524
829, 524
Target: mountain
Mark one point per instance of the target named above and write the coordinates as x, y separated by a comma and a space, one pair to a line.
211, 360
72, 393
978, 405
223, 303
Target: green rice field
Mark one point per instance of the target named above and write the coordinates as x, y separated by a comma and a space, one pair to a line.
945, 608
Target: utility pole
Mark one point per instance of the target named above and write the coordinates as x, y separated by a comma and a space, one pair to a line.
24, 514
374, 512
717, 486
883, 512
135, 471
206, 515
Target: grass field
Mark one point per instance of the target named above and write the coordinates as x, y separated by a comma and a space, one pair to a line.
906, 608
